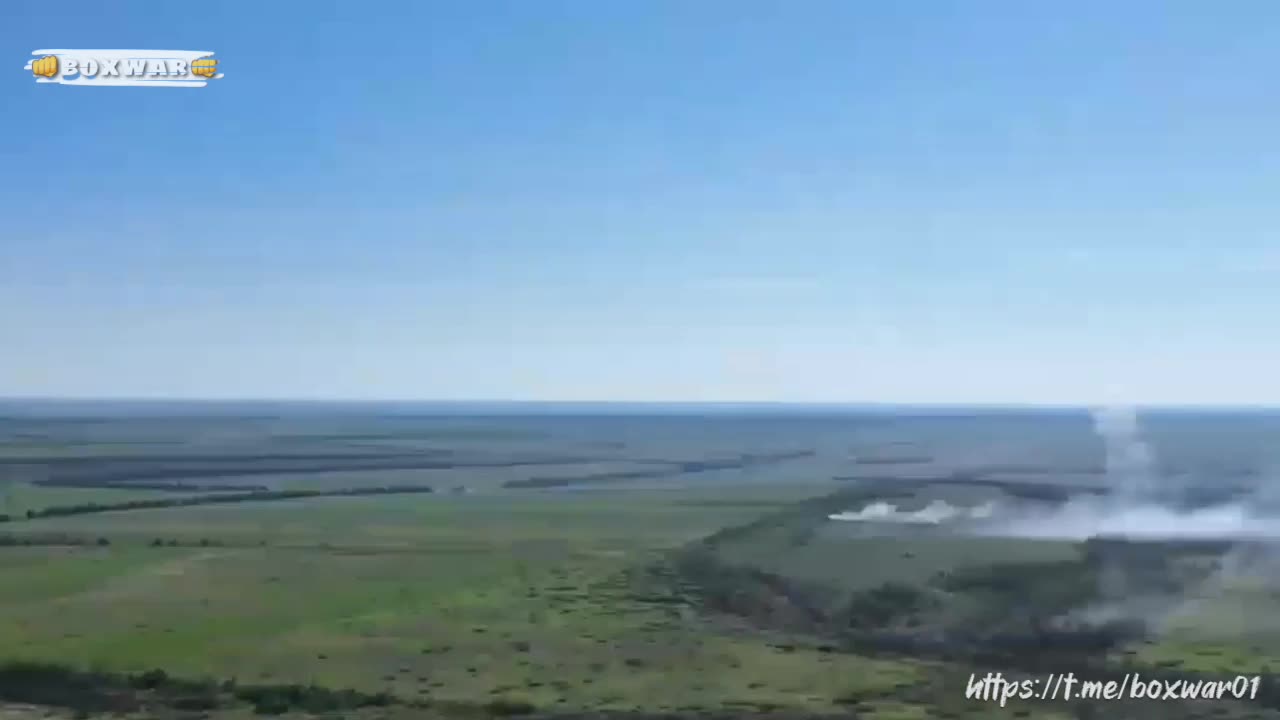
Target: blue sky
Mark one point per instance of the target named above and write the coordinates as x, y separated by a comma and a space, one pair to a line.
989, 201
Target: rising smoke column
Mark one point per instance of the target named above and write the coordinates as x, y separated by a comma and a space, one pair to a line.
1128, 457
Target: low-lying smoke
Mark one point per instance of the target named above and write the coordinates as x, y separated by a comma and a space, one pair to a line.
1135, 507
1138, 507
934, 513
1087, 518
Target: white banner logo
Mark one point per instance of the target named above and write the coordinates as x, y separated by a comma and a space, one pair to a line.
124, 68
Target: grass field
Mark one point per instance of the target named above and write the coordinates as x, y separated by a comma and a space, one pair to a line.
452, 598
628, 520
555, 602
881, 560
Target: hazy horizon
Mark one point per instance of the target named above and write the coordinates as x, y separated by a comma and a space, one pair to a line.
499, 403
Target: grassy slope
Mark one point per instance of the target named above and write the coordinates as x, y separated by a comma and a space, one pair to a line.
463, 599
466, 598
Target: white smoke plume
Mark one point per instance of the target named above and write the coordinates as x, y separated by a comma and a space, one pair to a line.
1129, 460
935, 513
1137, 507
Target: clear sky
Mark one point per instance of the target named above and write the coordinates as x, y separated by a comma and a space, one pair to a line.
844, 201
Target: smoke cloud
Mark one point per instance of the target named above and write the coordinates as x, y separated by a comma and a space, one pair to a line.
1129, 461
1137, 506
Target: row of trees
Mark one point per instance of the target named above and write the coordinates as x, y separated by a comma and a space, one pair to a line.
50, 540
220, 498
101, 692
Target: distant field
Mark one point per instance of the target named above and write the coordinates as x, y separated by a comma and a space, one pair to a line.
447, 597
494, 520
471, 478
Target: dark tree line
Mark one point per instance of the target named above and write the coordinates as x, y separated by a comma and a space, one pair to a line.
221, 498
102, 692
668, 470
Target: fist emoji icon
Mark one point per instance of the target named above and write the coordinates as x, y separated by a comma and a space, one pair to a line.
46, 66
204, 67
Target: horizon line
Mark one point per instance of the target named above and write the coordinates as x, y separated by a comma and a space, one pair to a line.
828, 404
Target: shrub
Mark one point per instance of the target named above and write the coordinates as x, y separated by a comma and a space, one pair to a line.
60, 686
197, 702
510, 706
279, 699
151, 679
886, 604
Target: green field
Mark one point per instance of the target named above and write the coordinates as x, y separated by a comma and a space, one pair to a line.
464, 600
450, 598
715, 585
